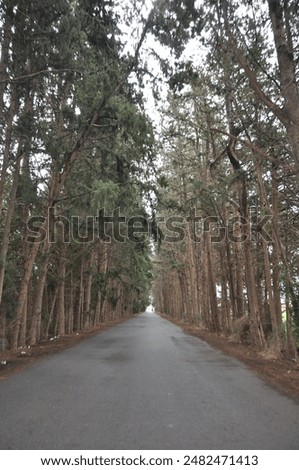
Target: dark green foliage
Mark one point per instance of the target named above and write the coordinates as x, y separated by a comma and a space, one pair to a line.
186, 74
176, 22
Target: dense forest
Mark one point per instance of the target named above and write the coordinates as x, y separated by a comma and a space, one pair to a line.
75, 140
86, 174
230, 175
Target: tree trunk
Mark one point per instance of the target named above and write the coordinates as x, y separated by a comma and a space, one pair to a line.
287, 70
267, 270
7, 145
256, 329
60, 304
275, 254
8, 221
5, 49
239, 264
88, 290
23, 292
51, 312
225, 313
192, 275
80, 297
22, 339
231, 281
205, 290
35, 324
214, 312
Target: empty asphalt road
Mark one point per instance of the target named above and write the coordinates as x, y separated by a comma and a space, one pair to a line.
144, 384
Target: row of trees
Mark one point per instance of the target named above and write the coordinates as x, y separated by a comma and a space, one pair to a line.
74, 139
229, 179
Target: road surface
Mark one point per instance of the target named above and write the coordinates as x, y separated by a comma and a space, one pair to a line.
144, 384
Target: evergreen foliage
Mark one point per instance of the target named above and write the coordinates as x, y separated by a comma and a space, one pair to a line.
76, 140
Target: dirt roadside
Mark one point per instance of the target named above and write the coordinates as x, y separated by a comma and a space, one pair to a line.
280, 373
12, 362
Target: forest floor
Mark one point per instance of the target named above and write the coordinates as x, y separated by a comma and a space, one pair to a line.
282, 373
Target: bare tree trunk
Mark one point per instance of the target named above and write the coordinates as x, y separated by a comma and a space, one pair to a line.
22, 339
88, 287
231, 281
55, 188
70, 305
51, 312
35, 324
97, 312
8, 221
214, 312
267, 271
256, 328
79, 312
239, 266
60, 304
192, 275
205, 290
285, 54
23, 292
275, 254
7, 145
29, 258
225, 313
5, 49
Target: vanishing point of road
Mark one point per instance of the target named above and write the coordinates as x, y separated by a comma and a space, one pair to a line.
144, 384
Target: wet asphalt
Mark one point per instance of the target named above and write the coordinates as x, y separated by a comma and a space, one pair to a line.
144, 384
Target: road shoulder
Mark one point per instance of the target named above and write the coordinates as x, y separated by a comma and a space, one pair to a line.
281, 373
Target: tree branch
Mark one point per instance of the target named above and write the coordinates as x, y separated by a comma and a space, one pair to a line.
278, 112
35, 74
247, 144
